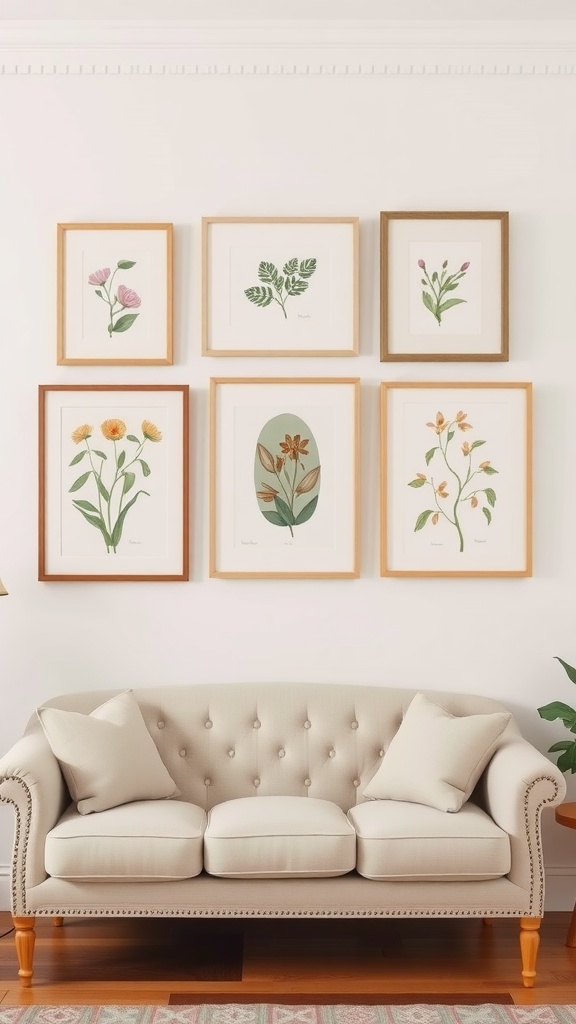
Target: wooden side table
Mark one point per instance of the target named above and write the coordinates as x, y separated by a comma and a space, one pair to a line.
566, 815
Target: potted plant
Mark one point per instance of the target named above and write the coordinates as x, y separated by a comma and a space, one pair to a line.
566, 749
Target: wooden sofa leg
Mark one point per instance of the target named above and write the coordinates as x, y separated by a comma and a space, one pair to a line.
57, 922
25, 939
529, 942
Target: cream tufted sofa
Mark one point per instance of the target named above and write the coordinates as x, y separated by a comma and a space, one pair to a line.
298, 759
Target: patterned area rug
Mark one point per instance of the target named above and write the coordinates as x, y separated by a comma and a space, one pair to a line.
271, 1013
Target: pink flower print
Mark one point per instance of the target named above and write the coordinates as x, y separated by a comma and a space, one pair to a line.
127, 297
99, 276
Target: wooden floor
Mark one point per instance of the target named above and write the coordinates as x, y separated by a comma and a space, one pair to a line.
148, 961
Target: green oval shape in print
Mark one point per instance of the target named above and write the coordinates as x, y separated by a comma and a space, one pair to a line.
287, 472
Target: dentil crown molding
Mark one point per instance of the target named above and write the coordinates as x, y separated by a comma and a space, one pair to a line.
342, 48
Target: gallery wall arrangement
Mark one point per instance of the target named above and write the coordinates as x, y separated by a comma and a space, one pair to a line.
455, 457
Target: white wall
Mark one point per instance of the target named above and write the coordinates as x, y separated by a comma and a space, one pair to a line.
149, 134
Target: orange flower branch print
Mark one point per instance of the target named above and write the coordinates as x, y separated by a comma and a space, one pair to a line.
462, 487
112, 479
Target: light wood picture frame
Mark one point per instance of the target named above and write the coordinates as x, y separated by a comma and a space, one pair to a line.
280, 286
456, 479
113, 482
114, 294
444, 286
284, 464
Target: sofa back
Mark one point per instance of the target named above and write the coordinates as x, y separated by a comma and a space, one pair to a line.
221, 741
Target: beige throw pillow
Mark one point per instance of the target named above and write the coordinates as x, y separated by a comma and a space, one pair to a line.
436, 758
107, 757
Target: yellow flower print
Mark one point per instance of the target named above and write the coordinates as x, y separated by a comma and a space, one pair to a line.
81, 433
113, 430
150, 431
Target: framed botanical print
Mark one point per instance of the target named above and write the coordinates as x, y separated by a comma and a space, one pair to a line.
444, 286
114, 303
456, 479
284, 477
280, 286
113, 494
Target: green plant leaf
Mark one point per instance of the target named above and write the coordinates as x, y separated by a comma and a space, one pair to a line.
283, 510
77, 458
267, 272
260, 295
307, 267
489, 470
79, 482
129, 481
119, 525
126, 264
97, 522
567, 761
476, 444
423, 519
558, 710
101, 455
488, 515
307, 512
86, 505
294, 286
124, 322
274, 518
279, 284
417, 482
131, 437
450, 435
429, 455
490, 496
428, 302
98, 293
145, 467
121, 460
449, 303
570, 671
449, 287
561, 745
102, 489
291, 267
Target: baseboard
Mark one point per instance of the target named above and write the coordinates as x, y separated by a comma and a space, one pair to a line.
560, 886
4, 886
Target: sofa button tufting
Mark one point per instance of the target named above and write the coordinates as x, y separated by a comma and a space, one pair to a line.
257, 724
256, 783
281, 752
182, 753
207, 782
307, 782
208, 724
354, 724
380, 753
231, 753
356, 782
307, 724
160, 725
332, 753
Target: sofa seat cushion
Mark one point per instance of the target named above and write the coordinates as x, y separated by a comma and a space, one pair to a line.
278, 837
149, 840
412, 842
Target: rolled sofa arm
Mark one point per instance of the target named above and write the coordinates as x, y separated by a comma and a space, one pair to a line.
31, 781
517, 784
